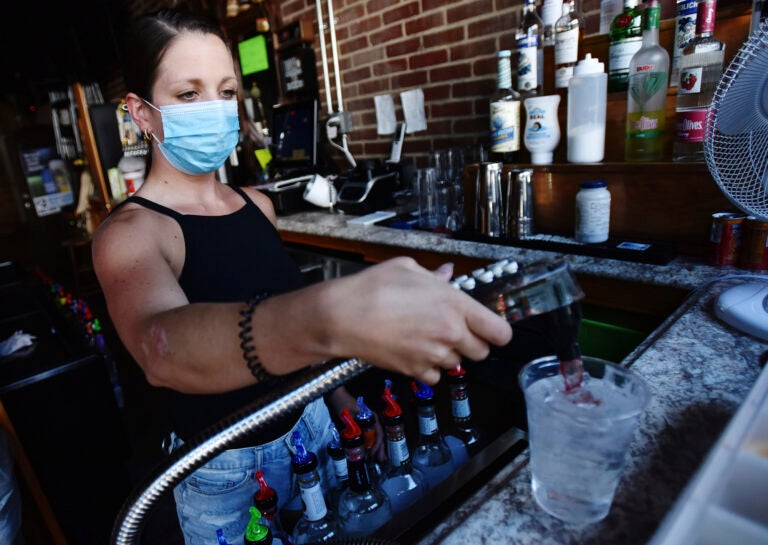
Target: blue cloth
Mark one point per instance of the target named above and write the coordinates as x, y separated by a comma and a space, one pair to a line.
10, 503
218, 494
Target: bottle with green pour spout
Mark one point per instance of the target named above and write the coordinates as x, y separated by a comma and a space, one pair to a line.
403, 483
257, 533
317, 523
363, 506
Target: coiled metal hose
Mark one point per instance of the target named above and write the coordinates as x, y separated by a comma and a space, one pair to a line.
293, 395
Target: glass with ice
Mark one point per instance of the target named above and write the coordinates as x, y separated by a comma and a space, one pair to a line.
579, 440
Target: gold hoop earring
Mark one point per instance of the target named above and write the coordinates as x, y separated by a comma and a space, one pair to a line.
147, 135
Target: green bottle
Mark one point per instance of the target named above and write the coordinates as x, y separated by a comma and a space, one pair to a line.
625, 37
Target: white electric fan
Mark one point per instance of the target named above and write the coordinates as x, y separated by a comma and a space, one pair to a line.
736, 151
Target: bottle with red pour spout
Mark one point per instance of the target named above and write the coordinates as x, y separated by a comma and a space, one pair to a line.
432, 454
403, 483
317, 524
367, 422
461, 411
363, 507
265, 500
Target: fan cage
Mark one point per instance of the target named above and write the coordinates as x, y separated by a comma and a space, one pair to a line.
739, 162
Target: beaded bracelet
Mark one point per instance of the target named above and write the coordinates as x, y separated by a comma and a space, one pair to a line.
246, 338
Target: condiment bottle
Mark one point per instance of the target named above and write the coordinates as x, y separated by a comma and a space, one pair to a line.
593, 212
587, 101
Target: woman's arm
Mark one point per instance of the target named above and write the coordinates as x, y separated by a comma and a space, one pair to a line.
395, 315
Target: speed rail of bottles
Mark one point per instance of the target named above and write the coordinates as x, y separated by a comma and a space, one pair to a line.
292, 395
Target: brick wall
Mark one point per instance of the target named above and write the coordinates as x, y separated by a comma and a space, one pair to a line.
446, 47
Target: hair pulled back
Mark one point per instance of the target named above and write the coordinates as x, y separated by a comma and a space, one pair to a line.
149, 39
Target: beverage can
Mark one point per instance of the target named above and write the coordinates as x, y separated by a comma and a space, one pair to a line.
725, 238
754, 254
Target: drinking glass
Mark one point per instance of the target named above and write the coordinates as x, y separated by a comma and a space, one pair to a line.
579, 441
433, 198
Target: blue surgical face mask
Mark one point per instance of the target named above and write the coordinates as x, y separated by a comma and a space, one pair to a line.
198, 136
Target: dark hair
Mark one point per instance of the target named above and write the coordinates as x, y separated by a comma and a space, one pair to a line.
148, 40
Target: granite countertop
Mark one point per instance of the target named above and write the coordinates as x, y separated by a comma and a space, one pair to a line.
699, 371
680, 273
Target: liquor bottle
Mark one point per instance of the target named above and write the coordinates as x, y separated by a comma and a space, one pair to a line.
257, 533
317, 523
262, 16
685, 33
363, 506
404, 484
336, 452
529, 40
265, 500
569, 29
461, 411
505, 112
367, 423
432, 454
647, 93
701, 67
625, 38
551, 10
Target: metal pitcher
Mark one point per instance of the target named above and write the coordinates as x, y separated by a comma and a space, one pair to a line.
519, 203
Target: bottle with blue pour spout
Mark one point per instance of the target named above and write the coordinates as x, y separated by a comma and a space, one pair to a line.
336, 453
403, 483
317, 523
363, 506
432, 454
367, 422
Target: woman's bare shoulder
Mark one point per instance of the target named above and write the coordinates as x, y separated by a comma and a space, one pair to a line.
263, 202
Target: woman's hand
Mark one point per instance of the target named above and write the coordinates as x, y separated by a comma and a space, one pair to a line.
402, 317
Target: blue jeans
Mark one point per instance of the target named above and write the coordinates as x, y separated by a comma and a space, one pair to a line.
219, 494
10, 499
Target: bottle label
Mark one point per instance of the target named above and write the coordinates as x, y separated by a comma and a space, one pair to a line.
685, 32
314, 503
593, 217
621, 52
690, 125
690, 80
563, 75
567, 46
460, 408
398, 452
428, 424
705, 17
647, 89
646, 124
527, 59
505, 126
340, 469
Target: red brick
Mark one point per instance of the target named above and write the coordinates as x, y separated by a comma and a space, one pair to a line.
477, 48
433, 21
485, 66
390, 66
450, 72
386, 35
443, 37
374, 86
465, 11
400, 13
428, 59
500, 23
352, 76
408, 80
352, 46
403, 48
364, 25
377, 5
347, 15
437, 92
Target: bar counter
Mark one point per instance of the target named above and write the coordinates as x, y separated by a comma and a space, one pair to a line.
699, 371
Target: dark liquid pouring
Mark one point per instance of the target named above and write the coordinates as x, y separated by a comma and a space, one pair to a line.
565, 322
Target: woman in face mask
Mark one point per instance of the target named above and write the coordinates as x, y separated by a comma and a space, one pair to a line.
206, 301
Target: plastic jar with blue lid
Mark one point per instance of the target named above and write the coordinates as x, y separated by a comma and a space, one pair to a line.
593, 212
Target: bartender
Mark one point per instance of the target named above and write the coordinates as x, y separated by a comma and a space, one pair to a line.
206, 301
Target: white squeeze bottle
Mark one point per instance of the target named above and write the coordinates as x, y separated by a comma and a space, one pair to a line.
587, 99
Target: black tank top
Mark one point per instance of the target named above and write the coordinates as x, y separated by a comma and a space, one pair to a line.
227, 259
